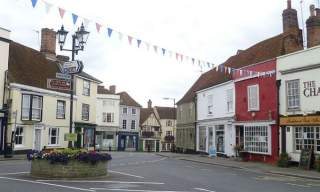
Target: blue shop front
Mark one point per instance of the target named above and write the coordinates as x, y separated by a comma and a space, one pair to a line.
128, 141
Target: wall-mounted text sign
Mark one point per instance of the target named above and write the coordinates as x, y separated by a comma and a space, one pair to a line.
310, 89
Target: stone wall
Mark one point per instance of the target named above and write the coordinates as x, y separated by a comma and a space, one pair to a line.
74, 169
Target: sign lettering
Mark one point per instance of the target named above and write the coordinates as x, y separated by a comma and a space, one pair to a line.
310, 89
302, 120
59, 84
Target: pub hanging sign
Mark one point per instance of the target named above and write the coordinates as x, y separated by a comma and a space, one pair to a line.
310, 89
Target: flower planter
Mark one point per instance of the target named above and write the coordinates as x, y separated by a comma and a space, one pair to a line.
73, 169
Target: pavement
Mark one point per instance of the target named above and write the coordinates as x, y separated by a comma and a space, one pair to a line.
14, 157
252, 166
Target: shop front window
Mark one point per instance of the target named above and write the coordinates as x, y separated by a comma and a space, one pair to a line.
256, 139
88, 137
307, 137
220, 138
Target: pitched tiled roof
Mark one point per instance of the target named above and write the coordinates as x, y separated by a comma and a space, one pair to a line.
264, 50
126, 99
88, 76
144, 114
28, 66
166, 112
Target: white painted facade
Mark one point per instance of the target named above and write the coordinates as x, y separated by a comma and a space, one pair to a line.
107, 118
4, 57
215, 117
303, 66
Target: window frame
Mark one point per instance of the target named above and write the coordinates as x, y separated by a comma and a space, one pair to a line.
124, 124
135, 111
111, 117
255, 129
210, 105
30, 108
229, 94
133, 124
86, 90
57, 136
82, 113
293, 108
314, 142
104, 117
250, 108
125, 108
64, 109
20, 135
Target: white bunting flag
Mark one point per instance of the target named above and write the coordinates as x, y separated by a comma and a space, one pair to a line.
48, 6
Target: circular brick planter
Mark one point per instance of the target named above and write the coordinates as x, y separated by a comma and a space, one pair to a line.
74, 169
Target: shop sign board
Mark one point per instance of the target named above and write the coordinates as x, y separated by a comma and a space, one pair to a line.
300, 120
59, 84
70, 137
63, 76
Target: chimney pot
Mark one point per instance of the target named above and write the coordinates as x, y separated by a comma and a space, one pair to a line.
289, 4
317, 12
312, 10
112, 89
149, 104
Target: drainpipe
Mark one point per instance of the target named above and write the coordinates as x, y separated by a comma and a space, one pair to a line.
283, 128
195, 124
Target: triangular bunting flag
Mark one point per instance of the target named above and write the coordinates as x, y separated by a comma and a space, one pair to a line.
109, 32
138, 42
120, 35
170, 54
86, 22
74, 18
130, 40
48, 6
155, 48
163, 51
147, 45
181, 57
193, 61
34, 3
177, 56
217, 68
61, 12
98, 26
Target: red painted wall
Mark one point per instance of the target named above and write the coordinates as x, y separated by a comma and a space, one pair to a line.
268, 103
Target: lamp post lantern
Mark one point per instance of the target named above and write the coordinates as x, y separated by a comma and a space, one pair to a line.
79, 39
169, 98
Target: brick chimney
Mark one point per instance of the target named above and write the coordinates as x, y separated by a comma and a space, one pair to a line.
313, 27
112, 89
48, 43
289, 18
292, 35
149, 104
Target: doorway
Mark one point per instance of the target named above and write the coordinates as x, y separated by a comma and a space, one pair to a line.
37, 139
220, 138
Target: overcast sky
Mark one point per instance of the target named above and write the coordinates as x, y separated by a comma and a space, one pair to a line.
210, 30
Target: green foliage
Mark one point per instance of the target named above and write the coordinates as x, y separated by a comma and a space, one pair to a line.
70, 152
284, 160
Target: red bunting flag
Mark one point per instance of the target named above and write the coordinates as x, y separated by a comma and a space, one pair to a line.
130, 40
61, 12
98, 26
177, 56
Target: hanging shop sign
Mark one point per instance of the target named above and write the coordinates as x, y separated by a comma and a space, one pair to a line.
301, 120
310, 89
59, 84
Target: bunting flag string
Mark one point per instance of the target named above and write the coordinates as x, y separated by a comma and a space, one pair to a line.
165, 52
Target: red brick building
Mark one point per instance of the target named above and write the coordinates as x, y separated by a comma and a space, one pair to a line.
257, 111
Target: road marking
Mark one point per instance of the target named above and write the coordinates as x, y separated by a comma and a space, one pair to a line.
127, 174
293, 184
133, 190
86, 181
200, 189
50, 184
17, 173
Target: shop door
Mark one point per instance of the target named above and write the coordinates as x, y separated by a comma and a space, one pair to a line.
37, 139
210, 138
220, 138
239, 136
122, 143
77, 144
157, 146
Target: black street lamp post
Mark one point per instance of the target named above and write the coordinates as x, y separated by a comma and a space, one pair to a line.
79, 39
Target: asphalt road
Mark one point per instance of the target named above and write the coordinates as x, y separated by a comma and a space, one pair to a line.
142, 172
